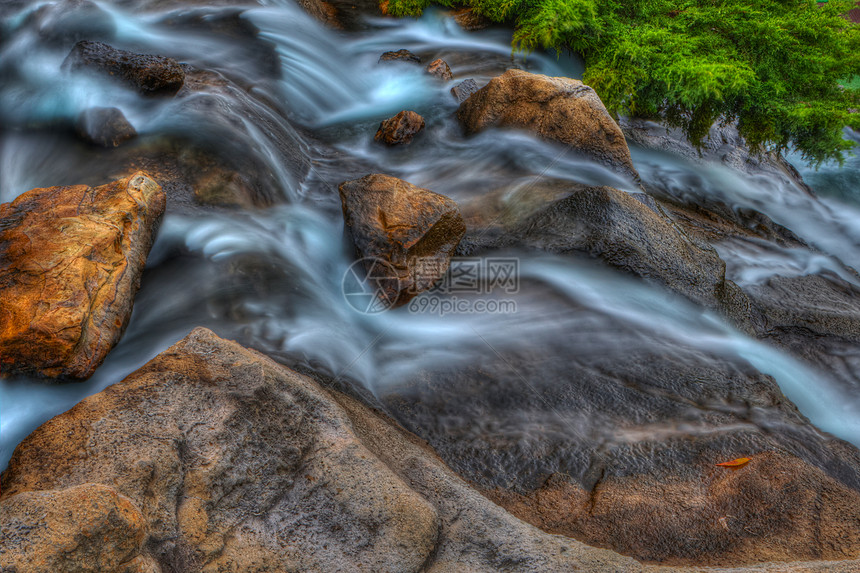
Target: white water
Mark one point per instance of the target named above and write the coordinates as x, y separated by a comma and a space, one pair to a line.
272, 278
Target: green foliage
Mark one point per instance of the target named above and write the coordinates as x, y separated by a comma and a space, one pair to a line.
786, 70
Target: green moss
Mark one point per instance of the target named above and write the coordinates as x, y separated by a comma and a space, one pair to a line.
775, 66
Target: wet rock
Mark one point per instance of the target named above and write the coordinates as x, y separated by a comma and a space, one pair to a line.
150, 74
323, 11
617, 447
413, 231
83, 528
223, 188
69, 21
558, 109
464, 89
400, 129
400, 56
104, 126
723, 144
440, 69
70, 265
244, 465
470, 20
775, 508
624, 231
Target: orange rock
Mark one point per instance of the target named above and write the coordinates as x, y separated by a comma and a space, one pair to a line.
558, 109
440, 69
413, 231
400, 129
71, 263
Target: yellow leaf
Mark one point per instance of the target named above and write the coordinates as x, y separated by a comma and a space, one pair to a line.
734, 463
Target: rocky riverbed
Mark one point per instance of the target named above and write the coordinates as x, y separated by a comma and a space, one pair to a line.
302, 287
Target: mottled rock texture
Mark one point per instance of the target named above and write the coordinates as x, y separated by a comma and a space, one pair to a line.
150, 74
70, 264
440, 69
559, 109
400, 56
413, 230
400, 129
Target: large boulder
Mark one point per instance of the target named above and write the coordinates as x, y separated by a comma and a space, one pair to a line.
70, 264
221, 460
150, 74
558, 109
626, 231
412, 231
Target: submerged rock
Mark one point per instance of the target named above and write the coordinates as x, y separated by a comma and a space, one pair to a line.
464, 89
400, 56
400, 129
625, 231
440, 69
105, 126
150, 74
223, 460
559, 109
413, 231
70, 264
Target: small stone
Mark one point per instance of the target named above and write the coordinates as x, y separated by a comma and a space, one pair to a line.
400, 129
400, 56
440, 69
105, 126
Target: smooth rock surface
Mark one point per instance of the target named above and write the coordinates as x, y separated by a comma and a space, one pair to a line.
400, 129
414, 231
70, 264
559, 109
150, 74
105, 126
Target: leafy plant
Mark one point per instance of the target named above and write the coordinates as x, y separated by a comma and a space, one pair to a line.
783, 69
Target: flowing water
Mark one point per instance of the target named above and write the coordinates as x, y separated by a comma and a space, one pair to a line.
272, 278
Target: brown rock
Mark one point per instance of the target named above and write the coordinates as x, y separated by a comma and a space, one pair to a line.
235, 463
150, 74
323, 11
776, 508
105, 126
464, 89
84, 528
412, 230
470, 20
440, 69
71, 263
558, 109
400, 129
400, 56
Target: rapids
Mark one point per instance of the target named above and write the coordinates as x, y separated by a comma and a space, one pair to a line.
272, 278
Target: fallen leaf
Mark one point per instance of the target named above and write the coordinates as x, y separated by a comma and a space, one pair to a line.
734, 463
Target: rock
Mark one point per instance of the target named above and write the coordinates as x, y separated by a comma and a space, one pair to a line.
83, 528
238, 464
72, 258
470, 20
323, 11
623, 230
413, 231
559, 109
105, 126
464, 89
723, 144
439, 68
400, 56
617, 447
776, 508
150, 74
69, 21
400, 129
224, 188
